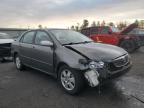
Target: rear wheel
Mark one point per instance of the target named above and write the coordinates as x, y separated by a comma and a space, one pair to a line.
71, 81
128, 45
18, 62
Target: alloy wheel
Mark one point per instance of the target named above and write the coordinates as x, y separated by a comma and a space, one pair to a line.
67, 80
18, 62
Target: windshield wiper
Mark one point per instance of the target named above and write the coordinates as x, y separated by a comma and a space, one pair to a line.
72, 43
85, 42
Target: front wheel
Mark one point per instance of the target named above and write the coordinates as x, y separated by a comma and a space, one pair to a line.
71, 81
18, 63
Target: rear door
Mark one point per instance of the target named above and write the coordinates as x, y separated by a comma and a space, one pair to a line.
107, 36
25, 50
43, 55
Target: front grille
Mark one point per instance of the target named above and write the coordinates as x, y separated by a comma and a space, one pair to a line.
118, 63
121, 61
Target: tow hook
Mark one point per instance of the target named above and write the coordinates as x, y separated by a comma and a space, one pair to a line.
92, 77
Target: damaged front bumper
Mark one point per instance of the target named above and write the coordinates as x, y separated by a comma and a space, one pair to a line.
92, 77
98, 76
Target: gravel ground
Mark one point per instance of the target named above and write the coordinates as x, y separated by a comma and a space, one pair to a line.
33, 89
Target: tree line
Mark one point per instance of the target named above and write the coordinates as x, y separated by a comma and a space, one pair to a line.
121, 25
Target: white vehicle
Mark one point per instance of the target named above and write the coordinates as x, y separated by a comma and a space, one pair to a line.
5, 46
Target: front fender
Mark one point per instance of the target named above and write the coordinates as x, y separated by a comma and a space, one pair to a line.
70, 58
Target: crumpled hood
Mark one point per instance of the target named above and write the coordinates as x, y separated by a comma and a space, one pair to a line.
3, 41
98, 51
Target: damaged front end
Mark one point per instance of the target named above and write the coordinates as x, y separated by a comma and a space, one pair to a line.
98, 72
92, 78
92, 74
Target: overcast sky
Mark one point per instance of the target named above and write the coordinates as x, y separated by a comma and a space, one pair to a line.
64, 13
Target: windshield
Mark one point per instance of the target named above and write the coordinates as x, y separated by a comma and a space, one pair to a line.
137, 31
114, 29
4, 36
70, 37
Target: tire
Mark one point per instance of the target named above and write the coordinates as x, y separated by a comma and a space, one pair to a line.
70, 80
128, 45
18, 62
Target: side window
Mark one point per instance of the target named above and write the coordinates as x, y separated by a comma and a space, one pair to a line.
94, 30
41, 36
28, 37
105, 30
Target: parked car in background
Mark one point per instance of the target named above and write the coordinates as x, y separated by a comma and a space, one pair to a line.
137, 32
70, 56
5, 46
130, 38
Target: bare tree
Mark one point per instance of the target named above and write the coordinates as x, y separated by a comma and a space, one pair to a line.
40, 26
85, 24
141, 24
98, 23
122, 25
76, 28
72, 27
111, 24
103, 23
93, 24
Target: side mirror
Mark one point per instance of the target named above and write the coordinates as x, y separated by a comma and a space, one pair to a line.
46, 43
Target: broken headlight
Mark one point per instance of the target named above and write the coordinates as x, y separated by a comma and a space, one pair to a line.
92, 64
96, 65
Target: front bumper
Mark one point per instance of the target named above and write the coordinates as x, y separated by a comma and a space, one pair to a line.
105, 75
115, 75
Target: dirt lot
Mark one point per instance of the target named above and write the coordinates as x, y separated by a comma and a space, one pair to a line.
32, 89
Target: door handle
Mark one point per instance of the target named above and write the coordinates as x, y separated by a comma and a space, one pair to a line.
33, 46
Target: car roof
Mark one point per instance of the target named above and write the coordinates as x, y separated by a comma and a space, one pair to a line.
88, 28
49, 29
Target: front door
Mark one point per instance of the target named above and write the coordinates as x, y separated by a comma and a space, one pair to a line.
43, 55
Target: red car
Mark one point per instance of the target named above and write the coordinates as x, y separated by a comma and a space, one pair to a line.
130, 38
